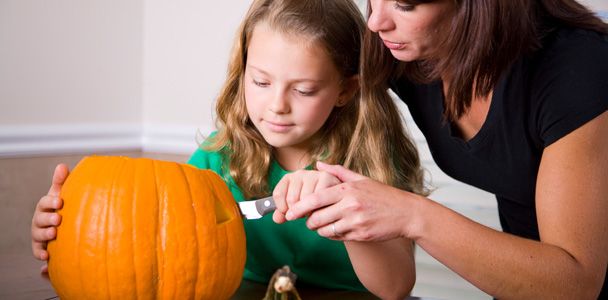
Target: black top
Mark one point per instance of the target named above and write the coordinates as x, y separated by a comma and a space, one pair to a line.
541, 98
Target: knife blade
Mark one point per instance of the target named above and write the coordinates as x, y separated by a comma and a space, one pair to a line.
255, 209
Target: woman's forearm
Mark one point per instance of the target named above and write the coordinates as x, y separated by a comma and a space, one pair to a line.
385, 268
503, 265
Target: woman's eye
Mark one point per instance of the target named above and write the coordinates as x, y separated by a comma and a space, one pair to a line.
402, 6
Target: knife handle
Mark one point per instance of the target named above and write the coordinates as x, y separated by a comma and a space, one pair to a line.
265, 205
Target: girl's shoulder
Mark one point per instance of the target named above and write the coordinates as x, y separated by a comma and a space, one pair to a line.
204, 158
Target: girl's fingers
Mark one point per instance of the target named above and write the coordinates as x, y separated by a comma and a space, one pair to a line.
278, 217
326, 180
39, 252
279, 195
294, 190
308, 186
46, 219
59, 176
49, 203
314, 202
43, 235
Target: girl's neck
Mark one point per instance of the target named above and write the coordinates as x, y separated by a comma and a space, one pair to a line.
292, 159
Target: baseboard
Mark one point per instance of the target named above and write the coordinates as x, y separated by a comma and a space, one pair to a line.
43, 140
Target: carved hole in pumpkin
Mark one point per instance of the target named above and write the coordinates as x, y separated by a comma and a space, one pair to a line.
222, 215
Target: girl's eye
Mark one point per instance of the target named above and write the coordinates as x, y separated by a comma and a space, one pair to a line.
304, 92
260, 83
402, 6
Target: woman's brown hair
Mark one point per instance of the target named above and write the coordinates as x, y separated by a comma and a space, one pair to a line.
366, 136
480, 42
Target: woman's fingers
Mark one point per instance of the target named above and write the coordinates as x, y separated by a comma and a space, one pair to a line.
43, 235
342, 173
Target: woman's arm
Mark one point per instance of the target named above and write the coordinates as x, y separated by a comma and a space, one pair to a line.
386, 268
569, 262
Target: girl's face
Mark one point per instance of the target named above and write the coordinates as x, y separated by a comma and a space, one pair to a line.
291, 87
408, 30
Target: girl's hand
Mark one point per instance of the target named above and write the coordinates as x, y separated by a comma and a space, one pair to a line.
360, 209
45, 218
296, 185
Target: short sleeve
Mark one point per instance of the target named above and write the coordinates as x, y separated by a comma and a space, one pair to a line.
205, 159
571, 87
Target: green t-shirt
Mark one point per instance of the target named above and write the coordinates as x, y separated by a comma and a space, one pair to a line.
314, 259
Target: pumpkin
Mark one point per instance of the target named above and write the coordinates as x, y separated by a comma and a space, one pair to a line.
146, 229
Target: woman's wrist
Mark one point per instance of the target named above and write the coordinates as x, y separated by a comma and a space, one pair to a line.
415, 221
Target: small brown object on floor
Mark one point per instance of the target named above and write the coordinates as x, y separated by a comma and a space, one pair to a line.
282, 286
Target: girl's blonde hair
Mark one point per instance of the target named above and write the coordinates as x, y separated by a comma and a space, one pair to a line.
366, 136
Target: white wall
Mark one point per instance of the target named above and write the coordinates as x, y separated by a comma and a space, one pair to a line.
65, 62
186, 50
110, 74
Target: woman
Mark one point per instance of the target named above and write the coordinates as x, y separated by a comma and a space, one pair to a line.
511, 97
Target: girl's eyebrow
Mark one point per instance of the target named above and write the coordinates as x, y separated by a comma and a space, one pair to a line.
292, 80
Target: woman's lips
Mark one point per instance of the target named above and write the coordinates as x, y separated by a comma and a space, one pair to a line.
278, 127
393, 46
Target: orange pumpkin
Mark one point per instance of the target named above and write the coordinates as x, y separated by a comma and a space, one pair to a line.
146, 229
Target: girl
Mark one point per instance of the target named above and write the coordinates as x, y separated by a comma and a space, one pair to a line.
291, 99
511, 97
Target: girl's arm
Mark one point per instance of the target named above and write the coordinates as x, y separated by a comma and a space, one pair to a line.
387, 268
569, 262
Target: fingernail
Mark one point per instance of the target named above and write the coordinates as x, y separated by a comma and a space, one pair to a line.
289, 216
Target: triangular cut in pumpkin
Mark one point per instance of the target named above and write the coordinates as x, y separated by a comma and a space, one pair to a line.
222, 215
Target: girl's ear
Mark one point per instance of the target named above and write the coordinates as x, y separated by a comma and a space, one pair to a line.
350, 87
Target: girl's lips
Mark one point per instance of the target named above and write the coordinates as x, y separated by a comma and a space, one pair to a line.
278, 127
393, 46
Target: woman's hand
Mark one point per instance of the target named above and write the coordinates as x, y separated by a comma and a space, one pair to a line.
296, 185
45, 218
359, 209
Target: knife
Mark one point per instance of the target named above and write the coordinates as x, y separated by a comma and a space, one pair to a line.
255, 209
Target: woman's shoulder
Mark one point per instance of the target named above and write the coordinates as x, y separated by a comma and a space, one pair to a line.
572, 47
568, 81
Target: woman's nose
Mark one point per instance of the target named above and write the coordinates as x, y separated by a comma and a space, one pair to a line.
378, 20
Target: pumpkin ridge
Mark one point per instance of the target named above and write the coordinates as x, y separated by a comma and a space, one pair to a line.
159, 243
133, 228
196, 228
78, 226
109, 225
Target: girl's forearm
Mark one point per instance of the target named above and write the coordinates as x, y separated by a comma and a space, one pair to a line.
503, 265
385, 268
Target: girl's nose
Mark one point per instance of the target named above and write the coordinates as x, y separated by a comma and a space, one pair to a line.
378, 19
279, 103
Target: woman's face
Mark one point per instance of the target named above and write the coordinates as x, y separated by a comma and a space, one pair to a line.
408, 30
